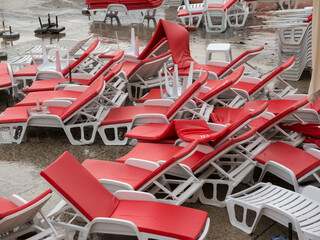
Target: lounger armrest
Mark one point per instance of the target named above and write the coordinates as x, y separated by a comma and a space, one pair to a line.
216, 126
204, 148
113, 185
294, 97
311, 192
134, 196
250, 79
82, 75
57, 103
282, 172
218, 63
279, 215
76, 88
149, 118
114, 226
159, 102
17, 200
314, 152
141, 163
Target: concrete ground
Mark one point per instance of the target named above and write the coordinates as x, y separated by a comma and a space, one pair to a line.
20, 165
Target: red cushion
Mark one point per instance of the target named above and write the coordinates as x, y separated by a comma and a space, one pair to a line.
31, 98
126, 114
79, 187
275, 106
248, 87
297, 160
47, 85
221, 6
7, 208
183, 12
26, 71
190, 130
128, 67
152, 94
5, 79
210, 68
153, 131
225, 115
163, 219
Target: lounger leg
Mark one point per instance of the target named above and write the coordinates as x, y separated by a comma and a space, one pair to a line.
117, 131
92, 127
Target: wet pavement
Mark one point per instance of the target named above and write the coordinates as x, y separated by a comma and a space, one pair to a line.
20, 165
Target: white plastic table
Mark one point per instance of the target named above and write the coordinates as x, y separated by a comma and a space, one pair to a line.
219, 47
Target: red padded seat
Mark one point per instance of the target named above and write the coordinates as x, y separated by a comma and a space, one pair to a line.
221, 6
152, 94
8, 208
153, 131
297, 160
183, 12
31, 98
5, 79
275, 106
29, 71
163, 219
129, 66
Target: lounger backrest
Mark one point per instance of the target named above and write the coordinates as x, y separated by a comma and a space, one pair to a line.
227, 146
148, 68
116, 59
228, 82
237, 118
283, 114
288, 64
169, 163
20, 215
5, 78
243, 58
78, 46
77, 186
86, 53
187, 95
92, 91
114, 71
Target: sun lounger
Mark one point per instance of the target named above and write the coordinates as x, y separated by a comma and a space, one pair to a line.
125, 212
77, 78
19, 217
124, 118
279, 204
85, 113
190, 14
50, 69
113, 96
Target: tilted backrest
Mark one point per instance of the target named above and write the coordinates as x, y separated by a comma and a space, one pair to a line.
79, 187
283, 114
92, 91
288, 64
16, 216
78, 45
228, 82
227, 146
169, 163
117, 58
187, 95
243, 58
5, 78
160, 48
147, 68
86, 53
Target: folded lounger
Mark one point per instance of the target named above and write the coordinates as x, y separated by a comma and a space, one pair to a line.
114, 97
50, 69
19, 217
77, 78
85, 113
124, 118
6, 79
279, 204
126, 212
